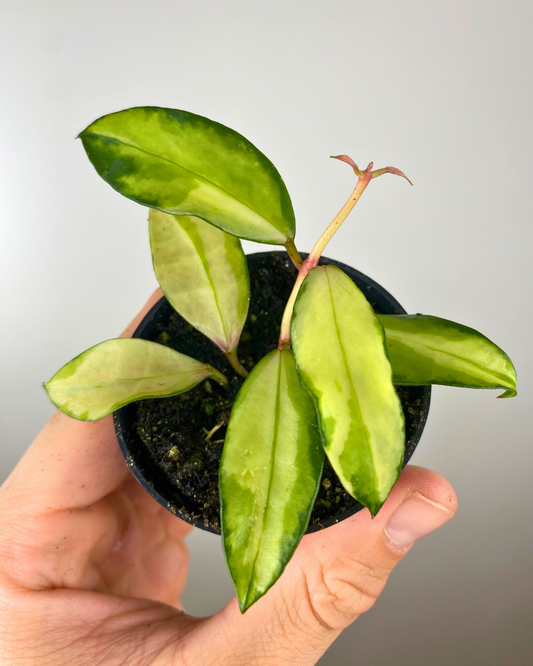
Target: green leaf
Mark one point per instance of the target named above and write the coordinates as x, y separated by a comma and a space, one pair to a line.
339, 348
269, 475
117, 372
203, 273
430, 350
184, 164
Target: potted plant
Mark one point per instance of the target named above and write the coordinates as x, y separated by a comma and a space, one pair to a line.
328, 393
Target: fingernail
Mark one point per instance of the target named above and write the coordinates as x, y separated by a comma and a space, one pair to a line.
415, 518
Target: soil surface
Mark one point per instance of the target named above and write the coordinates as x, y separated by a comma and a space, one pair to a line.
175, 429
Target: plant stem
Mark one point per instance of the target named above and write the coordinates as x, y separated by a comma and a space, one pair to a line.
213, 431
293, 253
364, 178
285, 332
316, 252
235, 363
218, 377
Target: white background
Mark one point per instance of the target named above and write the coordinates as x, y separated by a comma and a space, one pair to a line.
440, 89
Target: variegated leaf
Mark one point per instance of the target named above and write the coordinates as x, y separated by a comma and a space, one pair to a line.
203, 273
430, 350
184, 164
119, 371
270, 471
339, 348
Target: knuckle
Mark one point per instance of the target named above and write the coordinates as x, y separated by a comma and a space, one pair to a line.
338, 592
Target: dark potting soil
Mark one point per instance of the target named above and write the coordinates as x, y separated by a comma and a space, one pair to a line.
175, 429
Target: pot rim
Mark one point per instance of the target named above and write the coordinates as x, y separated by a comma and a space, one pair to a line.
138, 468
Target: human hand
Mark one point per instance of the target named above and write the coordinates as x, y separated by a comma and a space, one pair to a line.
92, 568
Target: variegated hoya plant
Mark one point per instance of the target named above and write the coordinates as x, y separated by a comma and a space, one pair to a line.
329, 387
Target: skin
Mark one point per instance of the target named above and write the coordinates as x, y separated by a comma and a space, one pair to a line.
92, 568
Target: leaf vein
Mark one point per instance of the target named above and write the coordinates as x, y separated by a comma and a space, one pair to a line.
206, 180
353, 393
467, 361
271, 479
57, 384
199, 245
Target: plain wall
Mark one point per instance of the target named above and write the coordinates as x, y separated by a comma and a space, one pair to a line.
440, 89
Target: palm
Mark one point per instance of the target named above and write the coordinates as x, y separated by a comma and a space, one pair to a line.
149, 557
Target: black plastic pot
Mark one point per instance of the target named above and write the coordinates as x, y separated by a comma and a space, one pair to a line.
156, 482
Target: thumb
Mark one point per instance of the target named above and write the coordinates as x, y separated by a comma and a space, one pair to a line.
334, 576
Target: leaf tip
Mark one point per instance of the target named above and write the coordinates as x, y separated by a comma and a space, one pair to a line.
248, 600
373, 505
374, 510
392, 170
509, 393
348, 160
243, 606
46, 387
